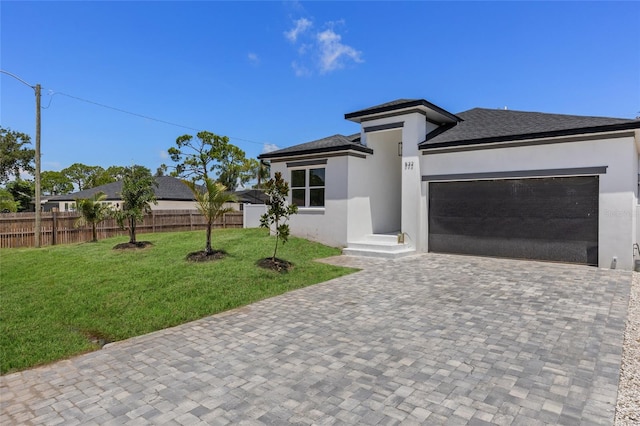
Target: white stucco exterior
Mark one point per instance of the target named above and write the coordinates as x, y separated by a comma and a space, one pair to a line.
326, 224
618, 186
387, 191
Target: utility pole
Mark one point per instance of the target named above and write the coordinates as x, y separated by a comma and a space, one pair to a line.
37, 88
38, 228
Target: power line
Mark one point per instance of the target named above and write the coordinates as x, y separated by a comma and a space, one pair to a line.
17, 78
135, 114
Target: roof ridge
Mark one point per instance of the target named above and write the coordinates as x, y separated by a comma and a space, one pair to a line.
544, 113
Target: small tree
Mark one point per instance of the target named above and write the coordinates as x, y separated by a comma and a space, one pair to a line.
22, 192
211, 199
92, 211
7, 203
137, 195
278, 212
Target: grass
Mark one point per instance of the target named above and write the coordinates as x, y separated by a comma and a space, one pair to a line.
52, 299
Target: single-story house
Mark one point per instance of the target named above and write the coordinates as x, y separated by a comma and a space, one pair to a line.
481, 182
171, 194
250, 196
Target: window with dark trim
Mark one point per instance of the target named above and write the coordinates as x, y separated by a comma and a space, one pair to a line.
307, 187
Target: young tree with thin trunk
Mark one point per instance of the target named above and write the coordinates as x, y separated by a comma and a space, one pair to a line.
92, 212
278, 212
211, 199
137, 195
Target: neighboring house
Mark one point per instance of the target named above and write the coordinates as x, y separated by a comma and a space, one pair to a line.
250, 196
171, 193
482, 182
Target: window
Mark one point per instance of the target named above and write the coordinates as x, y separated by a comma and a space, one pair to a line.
307, 187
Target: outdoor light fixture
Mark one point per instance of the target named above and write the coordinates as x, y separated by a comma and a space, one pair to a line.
399, 149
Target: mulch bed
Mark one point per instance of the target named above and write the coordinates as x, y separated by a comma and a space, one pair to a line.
278, 265
133, 246
202, 256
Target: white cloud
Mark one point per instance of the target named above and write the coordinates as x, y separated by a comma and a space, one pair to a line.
302, 25
323, 51
300, 70
253, 58
269, 147
333, 53
164, 154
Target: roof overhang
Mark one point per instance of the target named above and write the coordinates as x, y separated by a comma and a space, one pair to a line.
328, 150
432, 112
321, 154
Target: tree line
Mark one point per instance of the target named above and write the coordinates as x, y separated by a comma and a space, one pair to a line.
222, 161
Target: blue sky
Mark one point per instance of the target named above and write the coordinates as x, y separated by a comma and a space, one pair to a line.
274, 74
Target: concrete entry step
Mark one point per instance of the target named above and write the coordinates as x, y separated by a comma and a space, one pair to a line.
378, 245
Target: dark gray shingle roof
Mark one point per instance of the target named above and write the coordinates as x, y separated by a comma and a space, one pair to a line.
482, 125
397, 105
328, 144
169, 188
251, 196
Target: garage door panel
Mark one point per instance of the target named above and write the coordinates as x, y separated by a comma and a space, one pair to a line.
544, 219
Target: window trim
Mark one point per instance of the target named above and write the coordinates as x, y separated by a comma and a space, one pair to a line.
307, 186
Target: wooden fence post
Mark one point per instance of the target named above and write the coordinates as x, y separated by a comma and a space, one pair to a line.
54, 228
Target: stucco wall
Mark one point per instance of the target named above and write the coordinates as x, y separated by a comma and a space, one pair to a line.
618, 186
359, 220
327, 224
381, 180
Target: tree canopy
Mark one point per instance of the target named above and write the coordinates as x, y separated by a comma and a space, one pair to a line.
7, 203
15, 156
22, 192
83, 176
55, 183
208, 156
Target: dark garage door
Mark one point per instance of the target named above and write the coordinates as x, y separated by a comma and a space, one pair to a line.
535, 218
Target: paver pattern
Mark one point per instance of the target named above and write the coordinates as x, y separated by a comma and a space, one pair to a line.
428, 339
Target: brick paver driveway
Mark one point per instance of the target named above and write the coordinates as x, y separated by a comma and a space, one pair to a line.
428, 339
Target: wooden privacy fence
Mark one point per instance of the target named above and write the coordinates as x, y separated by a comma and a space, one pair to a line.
17, 229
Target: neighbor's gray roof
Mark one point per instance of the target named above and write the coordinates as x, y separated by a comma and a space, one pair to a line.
482, 125
251, 196
328, 144
169, 188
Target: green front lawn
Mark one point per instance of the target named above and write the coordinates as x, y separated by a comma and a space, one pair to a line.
54, 301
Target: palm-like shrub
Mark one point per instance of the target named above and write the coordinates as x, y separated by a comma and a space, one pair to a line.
92, 212
211, 199
137, 195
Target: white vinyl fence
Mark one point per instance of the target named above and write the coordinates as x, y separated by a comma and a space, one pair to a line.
252, 214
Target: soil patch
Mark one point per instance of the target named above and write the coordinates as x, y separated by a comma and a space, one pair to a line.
136, 245
202, 256
276, 264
